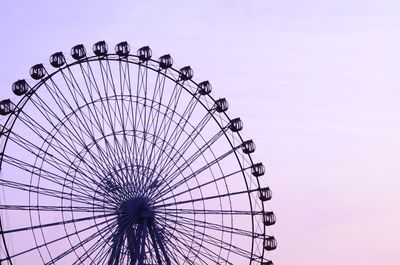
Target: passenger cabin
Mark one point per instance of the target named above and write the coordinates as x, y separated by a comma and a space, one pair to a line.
38, 71
5, 107
20, 87
236, 125
248, 147
144, 53
204, 88
221, 105
100, 48
165, 61
122, 49
269, 218
78, 52
265, 194
186, 73
57, 59
270, 243
258, 169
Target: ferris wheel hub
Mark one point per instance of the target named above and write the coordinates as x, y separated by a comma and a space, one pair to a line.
136, 210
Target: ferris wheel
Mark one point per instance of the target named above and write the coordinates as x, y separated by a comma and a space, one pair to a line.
117, 158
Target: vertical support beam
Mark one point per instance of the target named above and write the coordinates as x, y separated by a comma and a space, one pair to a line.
154, 241
116, 247
161, 244
142, 241
132, 238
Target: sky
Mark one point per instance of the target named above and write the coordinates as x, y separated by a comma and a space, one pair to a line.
315, 82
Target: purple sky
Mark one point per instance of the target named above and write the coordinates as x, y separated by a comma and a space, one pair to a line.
316, 82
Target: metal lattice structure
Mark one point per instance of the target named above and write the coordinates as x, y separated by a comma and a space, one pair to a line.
117, 158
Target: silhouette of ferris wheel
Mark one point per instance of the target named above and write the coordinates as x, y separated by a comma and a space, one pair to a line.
116, 158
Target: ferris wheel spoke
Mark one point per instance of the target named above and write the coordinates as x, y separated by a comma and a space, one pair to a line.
32, 148
53, 208
46, 174
90, 81
148, 179
142, 115
125, 86
99, 258
86, 131
203, 249
218, 212
176, 134
191, 137
170, 111
154, 139
86, 121
108, 113
121, 149
167, 117
183, 120
57, 95
115, 109
193, 174
113, 151
97, 246
59, 164
157, 97
207, 166
34, 227
155, 150
134, 106
98, 249
130, 145
124, 76
99, 114
140, 143
65, 149
67, 146
70, 137
52, 177
75, 197
133, 143
214, 226
108, 83
213, 241
182, 256
213, 181
158, 204
80, 128
81, 242
181, 244
35, 248
110, 80
93, 114
153, 114
44, 134
102, 253
73, 86
199, 152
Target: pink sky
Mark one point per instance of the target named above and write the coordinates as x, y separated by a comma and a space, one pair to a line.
316, 83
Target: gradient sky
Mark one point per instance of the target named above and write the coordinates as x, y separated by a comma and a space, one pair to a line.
316, 82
